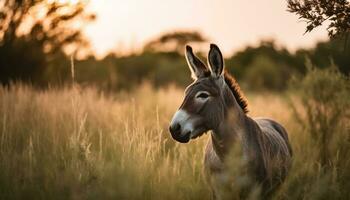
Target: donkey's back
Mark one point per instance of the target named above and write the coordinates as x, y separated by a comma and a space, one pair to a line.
276, 134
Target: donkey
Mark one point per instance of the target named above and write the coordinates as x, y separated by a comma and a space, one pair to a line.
214, 102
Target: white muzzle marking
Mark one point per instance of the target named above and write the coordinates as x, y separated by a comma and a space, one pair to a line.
181, 117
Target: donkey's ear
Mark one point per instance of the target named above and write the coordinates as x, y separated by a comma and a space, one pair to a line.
215, 60
197, 67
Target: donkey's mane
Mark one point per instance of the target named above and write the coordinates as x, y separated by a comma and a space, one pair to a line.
236, 90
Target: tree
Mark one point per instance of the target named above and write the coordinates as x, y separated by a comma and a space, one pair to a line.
174, 41
34, 33
316, 12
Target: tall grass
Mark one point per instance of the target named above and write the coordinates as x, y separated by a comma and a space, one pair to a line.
77, 143
322, 111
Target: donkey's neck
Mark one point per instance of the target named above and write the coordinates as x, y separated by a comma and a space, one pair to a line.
231, 130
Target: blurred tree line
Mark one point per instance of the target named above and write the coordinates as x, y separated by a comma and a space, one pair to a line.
263, 67
36, 37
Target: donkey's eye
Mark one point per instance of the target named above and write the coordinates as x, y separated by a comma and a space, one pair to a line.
203, 95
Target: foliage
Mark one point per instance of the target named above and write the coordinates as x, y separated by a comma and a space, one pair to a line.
324, 53
115, 73
316, 12
174, 41
321, 109
265, 66
34, 35
264, 73
324, 94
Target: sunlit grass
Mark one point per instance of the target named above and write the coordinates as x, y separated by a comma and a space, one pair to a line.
77, 143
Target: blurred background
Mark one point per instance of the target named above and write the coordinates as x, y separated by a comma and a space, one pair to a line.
87, 89
117, 45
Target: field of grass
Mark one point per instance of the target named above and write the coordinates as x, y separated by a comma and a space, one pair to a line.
77, 143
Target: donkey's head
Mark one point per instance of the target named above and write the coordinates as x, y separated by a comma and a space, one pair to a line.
206, 99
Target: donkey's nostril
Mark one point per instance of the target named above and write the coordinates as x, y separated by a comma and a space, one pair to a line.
175, 128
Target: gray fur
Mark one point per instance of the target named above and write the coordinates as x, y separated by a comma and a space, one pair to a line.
264, 142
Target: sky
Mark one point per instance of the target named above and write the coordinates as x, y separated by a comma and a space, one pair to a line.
125, 25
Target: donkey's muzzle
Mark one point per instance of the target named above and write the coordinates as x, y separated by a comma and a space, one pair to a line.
176, 133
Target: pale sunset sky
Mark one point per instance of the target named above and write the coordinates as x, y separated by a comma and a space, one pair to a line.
232, 24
